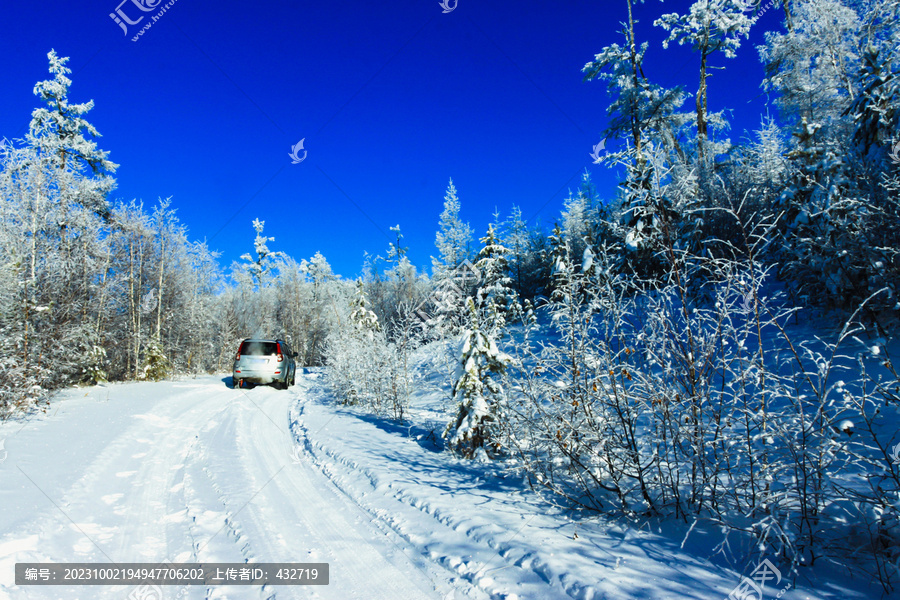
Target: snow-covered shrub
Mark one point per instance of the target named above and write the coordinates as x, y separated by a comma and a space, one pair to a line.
653, 399
572, 423
364, 367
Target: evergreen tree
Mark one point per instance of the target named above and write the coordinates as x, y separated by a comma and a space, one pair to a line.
453, 238
876, 107
558, 256
810, 65
476, 429
156, 364
515, 238
643, 111
646, 113
361, 317
495, 298
528, 269
62, 137
710, 26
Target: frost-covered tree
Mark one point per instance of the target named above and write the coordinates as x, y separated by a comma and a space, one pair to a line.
768, 163
53, 188
647, 115
318, 271
454, 238
91, 291
577, 219
526, 258
876, 108
260, 268
495, 299
640, 110
62, 136
397, 250
810, 66
306, 295
834, 75
365, 368
394, 291
475, 430
709, 26
156, 364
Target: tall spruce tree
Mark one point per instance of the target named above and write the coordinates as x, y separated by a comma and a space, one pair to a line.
62, 137
454, 238
495, 298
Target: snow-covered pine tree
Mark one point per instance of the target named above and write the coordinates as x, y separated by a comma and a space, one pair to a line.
454, 238
452, 276
710, 26
647, 115
558, 256
361, 317
94, 372
526, 262
834, 74
53, 193
876, 108
576, 221
495, 299
475, 432
642, 111
62, 137
156, 364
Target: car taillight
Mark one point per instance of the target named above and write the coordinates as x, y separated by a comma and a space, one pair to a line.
238, 355
279, 356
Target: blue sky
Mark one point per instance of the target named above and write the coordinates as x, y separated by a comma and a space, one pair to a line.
392, 99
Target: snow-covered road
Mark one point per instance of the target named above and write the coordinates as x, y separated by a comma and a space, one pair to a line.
187, 472
194, 471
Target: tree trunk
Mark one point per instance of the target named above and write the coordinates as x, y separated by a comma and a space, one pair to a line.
701, 102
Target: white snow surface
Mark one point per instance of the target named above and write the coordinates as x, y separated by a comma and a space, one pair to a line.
193, 470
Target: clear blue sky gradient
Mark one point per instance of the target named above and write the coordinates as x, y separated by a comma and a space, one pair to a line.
392, 99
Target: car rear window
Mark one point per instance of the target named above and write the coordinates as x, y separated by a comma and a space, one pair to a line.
259, 348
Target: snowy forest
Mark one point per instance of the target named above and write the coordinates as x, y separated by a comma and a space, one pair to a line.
709, 342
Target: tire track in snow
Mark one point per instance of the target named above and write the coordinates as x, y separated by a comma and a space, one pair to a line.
301, 513
122, 504
475, 569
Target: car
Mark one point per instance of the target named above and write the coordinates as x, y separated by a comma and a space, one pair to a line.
264, 362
